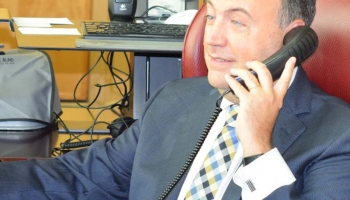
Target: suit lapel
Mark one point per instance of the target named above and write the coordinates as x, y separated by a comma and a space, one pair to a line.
297, 101
193, 124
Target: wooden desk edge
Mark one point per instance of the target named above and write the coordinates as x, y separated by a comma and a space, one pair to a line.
5, 17
4, 14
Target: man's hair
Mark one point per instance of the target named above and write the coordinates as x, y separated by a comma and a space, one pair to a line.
291, 10
296, 9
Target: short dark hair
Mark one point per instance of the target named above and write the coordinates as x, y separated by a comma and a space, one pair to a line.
291, 10
296, 9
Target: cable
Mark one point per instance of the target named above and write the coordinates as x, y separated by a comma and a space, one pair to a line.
194, 152
160, 18
68, 144
77, 144
123, 90
81, 79
61, 122
153, 7
126, 92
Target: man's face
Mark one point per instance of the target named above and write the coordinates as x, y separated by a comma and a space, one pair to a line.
238, 31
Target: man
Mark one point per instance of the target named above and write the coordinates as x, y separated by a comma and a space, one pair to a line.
288, 117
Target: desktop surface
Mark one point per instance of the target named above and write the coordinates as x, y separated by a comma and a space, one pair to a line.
155, 62
77, 42
48, 42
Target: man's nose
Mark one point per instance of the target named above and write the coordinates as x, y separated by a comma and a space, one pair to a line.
216, 35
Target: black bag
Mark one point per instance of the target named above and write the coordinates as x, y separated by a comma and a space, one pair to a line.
29, 104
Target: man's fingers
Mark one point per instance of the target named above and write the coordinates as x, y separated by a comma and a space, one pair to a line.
264, 74
283, 83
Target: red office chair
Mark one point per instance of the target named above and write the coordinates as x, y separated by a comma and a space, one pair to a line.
193, 63
329, 67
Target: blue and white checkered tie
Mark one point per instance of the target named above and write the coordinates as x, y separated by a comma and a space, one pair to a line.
217, 162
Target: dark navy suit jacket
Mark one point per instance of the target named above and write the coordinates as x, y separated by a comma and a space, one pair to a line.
312, 133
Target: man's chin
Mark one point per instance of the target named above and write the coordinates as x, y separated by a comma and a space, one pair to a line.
219, 84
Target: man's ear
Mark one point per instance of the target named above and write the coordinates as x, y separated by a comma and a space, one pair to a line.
294, 24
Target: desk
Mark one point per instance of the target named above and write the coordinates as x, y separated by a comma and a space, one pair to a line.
5, 17
155, 62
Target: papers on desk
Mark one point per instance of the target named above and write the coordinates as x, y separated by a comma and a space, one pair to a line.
39, 22
42, 26
48, 31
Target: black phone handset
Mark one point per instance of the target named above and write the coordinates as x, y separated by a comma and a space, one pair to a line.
300, 42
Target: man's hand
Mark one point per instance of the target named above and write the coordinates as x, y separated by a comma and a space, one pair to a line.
259, 105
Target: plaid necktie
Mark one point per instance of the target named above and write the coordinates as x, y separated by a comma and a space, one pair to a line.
217, 162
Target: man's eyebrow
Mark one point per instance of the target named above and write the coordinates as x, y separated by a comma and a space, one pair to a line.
233, 9
209, 2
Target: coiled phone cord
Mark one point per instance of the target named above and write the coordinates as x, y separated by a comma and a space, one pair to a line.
195, 150
71, 145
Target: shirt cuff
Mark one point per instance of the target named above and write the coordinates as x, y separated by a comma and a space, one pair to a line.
263, 176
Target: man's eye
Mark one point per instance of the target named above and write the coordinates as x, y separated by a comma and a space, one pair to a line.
209, 17
237, 23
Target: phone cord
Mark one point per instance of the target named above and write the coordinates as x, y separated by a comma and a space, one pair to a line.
194, 151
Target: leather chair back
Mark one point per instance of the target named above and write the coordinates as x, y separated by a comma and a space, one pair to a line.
193, 63
329, 67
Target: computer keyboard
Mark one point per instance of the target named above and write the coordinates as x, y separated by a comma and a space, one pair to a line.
133, 31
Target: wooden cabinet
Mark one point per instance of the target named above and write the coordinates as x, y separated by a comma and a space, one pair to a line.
69, 66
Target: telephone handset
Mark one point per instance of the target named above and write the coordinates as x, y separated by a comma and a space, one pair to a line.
300, 42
